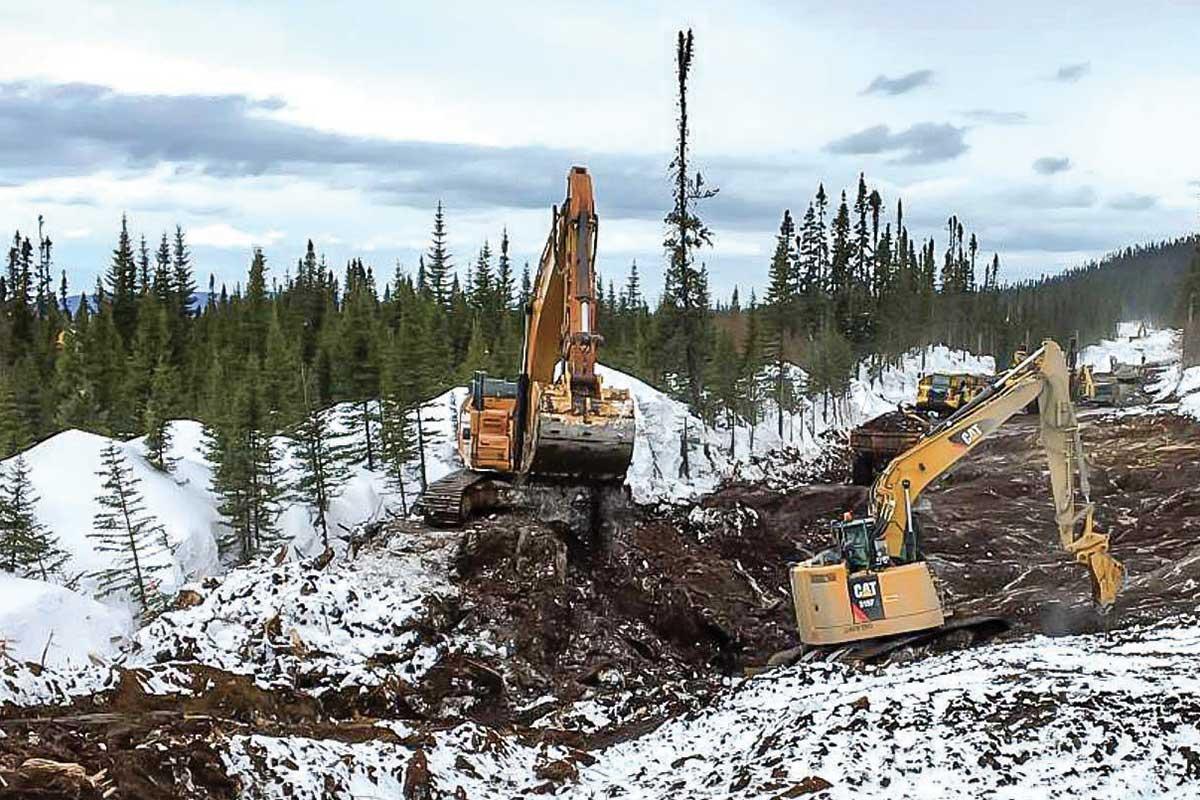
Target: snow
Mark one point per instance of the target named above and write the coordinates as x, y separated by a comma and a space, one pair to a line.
281, 624
1073, 717
39, 618
64, 471
1155, 347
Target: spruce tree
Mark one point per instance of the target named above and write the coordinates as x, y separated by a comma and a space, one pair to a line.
122, 280
246, 474
781, 297
164, 389
14, 427
27, 547
685, 317
438, 269
123, 527
321, 462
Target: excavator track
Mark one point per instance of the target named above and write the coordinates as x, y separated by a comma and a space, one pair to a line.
971, 630
450, 501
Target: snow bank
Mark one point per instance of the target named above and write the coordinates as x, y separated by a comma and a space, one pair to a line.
38, 618
1157, 347
64, 471
717, 454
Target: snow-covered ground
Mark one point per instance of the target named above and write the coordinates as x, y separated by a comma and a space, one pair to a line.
1083, 716
1073, 717
656, 472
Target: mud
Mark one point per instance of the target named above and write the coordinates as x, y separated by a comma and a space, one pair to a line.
650, 613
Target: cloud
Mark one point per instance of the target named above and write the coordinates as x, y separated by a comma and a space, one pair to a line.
1048, 238
79, 129
1041, 197
905, 83
1051, 165
225, 236
77, 233
1133, 202
1069, 73
990, 116
923, 143
65, 200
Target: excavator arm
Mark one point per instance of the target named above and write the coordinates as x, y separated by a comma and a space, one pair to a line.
569, 424
1043, 376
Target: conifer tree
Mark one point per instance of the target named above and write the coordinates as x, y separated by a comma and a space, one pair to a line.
781, 295
156, 418
123, 527
437, 271
27, 547
685, 316
321, 462
246, 474
14, 428
122, 283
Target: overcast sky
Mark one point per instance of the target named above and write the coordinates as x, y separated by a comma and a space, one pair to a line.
1056, 133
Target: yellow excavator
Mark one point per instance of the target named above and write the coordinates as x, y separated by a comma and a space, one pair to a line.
557, 421
874, 592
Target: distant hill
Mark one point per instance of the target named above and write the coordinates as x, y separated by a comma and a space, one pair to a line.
199, 299
1136, 283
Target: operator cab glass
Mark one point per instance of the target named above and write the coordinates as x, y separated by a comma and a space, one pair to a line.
860, 548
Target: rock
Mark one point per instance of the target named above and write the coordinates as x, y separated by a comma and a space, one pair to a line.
810, 785
418, 781
559, 771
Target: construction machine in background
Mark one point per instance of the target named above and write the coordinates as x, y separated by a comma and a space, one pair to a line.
557, 422
874, 592
946, 392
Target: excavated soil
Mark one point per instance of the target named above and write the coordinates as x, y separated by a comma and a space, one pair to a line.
650, 612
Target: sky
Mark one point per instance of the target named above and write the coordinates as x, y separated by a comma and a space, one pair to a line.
1056, 131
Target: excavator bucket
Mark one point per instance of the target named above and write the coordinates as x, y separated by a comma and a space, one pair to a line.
597, 449
594, 445
1107, 574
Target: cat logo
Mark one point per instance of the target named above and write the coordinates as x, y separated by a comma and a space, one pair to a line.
971, 435
865, 591
866, 603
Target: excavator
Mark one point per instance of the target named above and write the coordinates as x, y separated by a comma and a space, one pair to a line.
873, 592
557, 422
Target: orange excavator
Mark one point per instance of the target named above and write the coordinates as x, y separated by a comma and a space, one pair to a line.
557, 422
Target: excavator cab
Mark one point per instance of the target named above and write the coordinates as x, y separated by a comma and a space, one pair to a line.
487, 425
860, 546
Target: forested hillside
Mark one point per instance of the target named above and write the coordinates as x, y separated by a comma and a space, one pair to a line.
844, 282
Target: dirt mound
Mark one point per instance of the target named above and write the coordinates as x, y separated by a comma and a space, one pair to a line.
582, 640
896, 422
